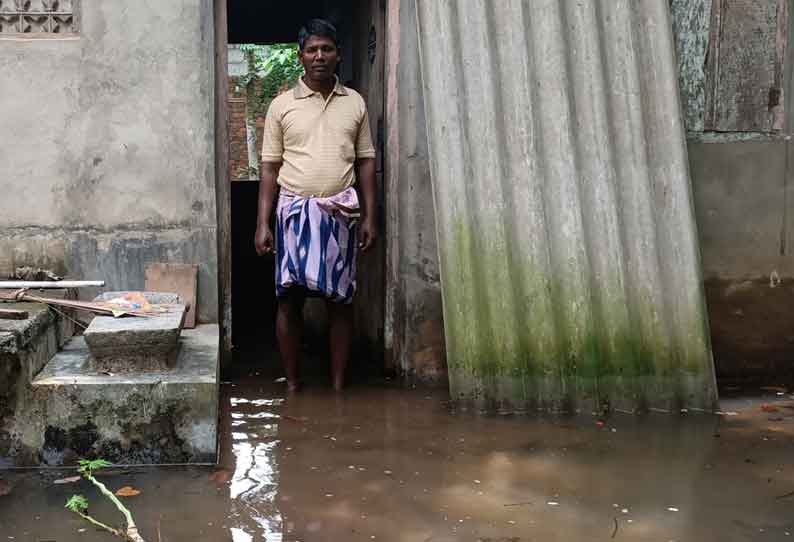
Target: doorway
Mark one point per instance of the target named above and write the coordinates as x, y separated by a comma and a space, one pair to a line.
247, 281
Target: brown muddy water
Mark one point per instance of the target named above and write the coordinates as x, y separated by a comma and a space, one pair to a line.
388, 464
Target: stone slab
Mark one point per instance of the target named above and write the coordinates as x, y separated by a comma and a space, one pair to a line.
40, 316
154, 417
175, 277
130, 344
24, 331
31, 342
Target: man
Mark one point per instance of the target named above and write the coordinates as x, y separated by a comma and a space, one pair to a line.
316, 136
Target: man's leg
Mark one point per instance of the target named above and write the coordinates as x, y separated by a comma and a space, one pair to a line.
289, 328
340, 318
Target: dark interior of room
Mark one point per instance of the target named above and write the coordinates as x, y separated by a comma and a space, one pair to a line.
271, 21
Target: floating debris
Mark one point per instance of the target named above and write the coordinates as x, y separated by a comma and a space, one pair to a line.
69, 480
127, 491
5, 488
221, 476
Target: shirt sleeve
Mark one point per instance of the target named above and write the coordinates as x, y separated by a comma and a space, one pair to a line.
364, 147
273, 136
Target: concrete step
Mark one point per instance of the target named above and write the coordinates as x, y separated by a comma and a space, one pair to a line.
27, 345
25, 348
133, 418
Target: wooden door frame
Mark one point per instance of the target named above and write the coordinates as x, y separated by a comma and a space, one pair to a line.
222, 187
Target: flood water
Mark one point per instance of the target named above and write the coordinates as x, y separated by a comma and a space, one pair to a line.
389, 464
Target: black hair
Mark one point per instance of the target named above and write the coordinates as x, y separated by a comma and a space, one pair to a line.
317, 27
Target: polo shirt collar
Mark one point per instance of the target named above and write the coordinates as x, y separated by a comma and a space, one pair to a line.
303, 91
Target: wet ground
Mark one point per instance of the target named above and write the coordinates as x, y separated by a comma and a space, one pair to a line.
387, 464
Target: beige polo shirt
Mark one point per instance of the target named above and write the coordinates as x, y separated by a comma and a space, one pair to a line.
318, 141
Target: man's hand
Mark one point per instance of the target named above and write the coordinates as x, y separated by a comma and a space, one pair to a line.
367, 234
263, 240
268, 191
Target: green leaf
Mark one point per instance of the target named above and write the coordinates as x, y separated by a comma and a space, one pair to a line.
89, 466
77, 503
271, 68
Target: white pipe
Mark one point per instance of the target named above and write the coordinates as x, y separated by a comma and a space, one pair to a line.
17, 284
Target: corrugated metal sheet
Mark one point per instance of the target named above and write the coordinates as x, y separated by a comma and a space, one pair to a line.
567, 242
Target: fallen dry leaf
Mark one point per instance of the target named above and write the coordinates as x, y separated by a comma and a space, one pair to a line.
69, 480
769, 408
128, 491
300, 419
5, 487
221, 476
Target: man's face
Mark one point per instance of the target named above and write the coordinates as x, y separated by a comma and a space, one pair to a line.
319, 58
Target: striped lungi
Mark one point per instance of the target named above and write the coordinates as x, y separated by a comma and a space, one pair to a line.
316, 244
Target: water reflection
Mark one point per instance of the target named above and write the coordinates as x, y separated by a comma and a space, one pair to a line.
257, 402
238, 535
254, 484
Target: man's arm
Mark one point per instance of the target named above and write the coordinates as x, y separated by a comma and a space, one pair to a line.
368, 232
268, 190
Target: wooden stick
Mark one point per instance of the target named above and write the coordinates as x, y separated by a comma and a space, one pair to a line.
51, 284
11, 314
132, 530
96, 308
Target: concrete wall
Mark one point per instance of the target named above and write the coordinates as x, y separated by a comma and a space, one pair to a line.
106, 152
745, 219
743, 212
414, 319
366, 74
